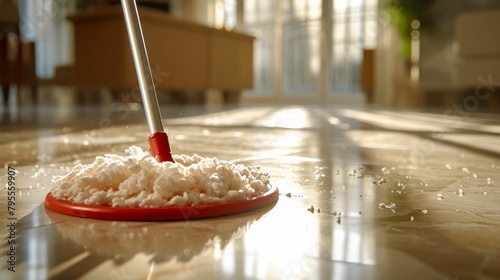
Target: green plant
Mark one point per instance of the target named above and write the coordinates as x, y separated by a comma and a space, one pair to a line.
402, 13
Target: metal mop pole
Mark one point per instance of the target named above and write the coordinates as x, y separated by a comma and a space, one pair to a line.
158, 139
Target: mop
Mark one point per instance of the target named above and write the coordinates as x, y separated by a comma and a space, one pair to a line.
157, 186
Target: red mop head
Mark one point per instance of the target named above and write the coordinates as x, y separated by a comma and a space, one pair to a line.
159, 147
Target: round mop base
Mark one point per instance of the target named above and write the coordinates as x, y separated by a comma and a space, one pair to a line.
161, 213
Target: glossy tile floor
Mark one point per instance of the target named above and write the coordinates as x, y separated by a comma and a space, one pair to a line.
364, 194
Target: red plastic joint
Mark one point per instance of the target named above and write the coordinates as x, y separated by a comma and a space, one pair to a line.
160, 147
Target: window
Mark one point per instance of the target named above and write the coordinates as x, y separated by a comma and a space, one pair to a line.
45, 23
288, 51
354, 28
259, 17
301, 35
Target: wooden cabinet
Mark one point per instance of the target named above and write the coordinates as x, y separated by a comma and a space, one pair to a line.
183, 55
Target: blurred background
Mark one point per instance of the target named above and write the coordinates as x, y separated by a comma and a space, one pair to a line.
388, 53
352, 106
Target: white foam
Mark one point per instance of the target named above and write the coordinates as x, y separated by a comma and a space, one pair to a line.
138, 180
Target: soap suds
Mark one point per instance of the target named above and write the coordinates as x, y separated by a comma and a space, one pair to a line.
138, 180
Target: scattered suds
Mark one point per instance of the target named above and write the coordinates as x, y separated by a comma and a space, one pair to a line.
391, 205
380, 181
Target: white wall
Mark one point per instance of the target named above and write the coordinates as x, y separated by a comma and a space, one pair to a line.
436, 47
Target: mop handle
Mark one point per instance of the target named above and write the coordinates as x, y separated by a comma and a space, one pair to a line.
158, 139
142, 67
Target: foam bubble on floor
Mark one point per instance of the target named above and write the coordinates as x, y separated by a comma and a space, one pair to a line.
138, 180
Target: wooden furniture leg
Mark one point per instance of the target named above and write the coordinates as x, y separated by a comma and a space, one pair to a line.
4, 72
19, 66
